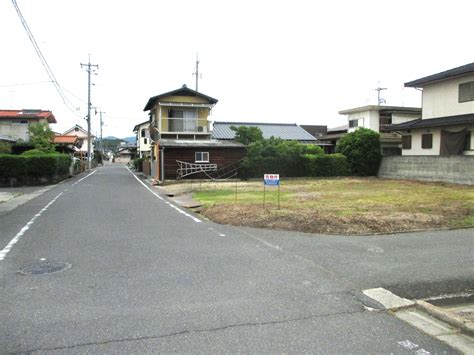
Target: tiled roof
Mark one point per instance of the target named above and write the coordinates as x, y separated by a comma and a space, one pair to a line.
27, 114
451, 73
183, 91
433, 122
137, 127
285, 131
65, 139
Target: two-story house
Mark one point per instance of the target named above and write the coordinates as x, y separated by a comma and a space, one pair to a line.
181, 138
14, 123
142, 133
378, 118
81, 134
447, 120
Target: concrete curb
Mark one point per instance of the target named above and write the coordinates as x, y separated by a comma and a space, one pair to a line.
446, 316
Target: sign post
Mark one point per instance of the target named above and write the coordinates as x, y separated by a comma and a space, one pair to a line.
271, 180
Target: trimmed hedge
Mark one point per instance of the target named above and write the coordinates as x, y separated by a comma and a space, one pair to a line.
326, 165
37, 165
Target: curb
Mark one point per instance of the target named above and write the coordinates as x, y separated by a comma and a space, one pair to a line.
446, 316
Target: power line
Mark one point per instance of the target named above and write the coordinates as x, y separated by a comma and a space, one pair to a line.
25, 84
45, 64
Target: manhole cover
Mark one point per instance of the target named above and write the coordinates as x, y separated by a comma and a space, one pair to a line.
46, 267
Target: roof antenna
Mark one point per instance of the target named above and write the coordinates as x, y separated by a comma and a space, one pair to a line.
198, 76
379, 99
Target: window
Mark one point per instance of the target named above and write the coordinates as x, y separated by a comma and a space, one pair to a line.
182, 120
201, 157
406, 142
353, 123
427, 141
466, 92
145, 141
143, 132
467, 141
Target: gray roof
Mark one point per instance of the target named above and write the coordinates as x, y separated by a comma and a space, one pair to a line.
286, 131
451, 73
392, 109
211, 143
433, 122
183, 91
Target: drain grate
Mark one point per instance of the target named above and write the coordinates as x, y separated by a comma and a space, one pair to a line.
45, 267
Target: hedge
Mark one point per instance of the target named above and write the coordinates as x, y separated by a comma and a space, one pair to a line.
307, 165
40, 165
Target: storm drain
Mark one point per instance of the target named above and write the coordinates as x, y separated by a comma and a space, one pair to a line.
45, 267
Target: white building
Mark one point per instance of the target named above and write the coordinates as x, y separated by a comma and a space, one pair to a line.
378, 119
143, 139
447, 121
81, 133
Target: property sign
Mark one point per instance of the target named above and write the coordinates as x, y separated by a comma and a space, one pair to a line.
271, 179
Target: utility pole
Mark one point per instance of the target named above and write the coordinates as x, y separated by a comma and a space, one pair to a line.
89, 143
197, 71
379, 99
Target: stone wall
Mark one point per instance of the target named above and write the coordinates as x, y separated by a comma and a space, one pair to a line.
453, 169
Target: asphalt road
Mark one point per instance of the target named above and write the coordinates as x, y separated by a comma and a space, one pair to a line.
148, 277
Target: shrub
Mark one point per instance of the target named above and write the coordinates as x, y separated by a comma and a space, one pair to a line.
362, 149
326, 165
11, 165
5, 148
34, 165
138, 164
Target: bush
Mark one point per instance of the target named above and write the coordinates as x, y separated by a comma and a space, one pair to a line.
5, 148
326, 165
11, 165
34, 165
362, 149
138, 164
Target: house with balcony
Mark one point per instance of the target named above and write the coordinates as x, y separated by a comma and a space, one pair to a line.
14, 123
379, 118
447, 120
181, 142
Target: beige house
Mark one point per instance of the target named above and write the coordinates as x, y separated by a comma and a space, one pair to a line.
14, 123
378, 119
447, 120
81, 134
143, 139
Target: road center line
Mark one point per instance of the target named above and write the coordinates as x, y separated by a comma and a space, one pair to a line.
197, 220
16, 238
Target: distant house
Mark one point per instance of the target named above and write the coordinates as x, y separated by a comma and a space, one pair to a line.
66, 144
182, 145
14, 123
447, 120
81, 134
332, 136
125, 154
378, 119
285, 131
143, 139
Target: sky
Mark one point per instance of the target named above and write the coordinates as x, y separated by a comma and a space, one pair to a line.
265, 61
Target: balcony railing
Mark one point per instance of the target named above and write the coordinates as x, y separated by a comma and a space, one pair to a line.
186, 125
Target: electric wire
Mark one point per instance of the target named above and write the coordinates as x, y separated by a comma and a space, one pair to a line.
45, 64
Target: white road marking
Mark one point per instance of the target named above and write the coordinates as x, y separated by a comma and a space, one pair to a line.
197, 220
16, 238
85, 177
387, 298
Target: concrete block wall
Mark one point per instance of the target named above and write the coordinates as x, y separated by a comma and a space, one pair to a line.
452, 169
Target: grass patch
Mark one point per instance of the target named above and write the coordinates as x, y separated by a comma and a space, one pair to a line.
340, 205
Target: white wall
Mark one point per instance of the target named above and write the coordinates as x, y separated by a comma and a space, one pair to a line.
404, 117
416, 141
441, 99
366, 119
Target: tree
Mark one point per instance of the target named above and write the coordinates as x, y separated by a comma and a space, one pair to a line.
41, 137
362, 149
247, 135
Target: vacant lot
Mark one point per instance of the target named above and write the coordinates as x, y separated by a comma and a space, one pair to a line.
346, 205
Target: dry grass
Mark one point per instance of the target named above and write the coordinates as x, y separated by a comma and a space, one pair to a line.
341, 206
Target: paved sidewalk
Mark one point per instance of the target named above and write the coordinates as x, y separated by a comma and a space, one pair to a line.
12, 197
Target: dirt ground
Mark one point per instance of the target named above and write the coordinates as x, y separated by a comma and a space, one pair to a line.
340, 206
